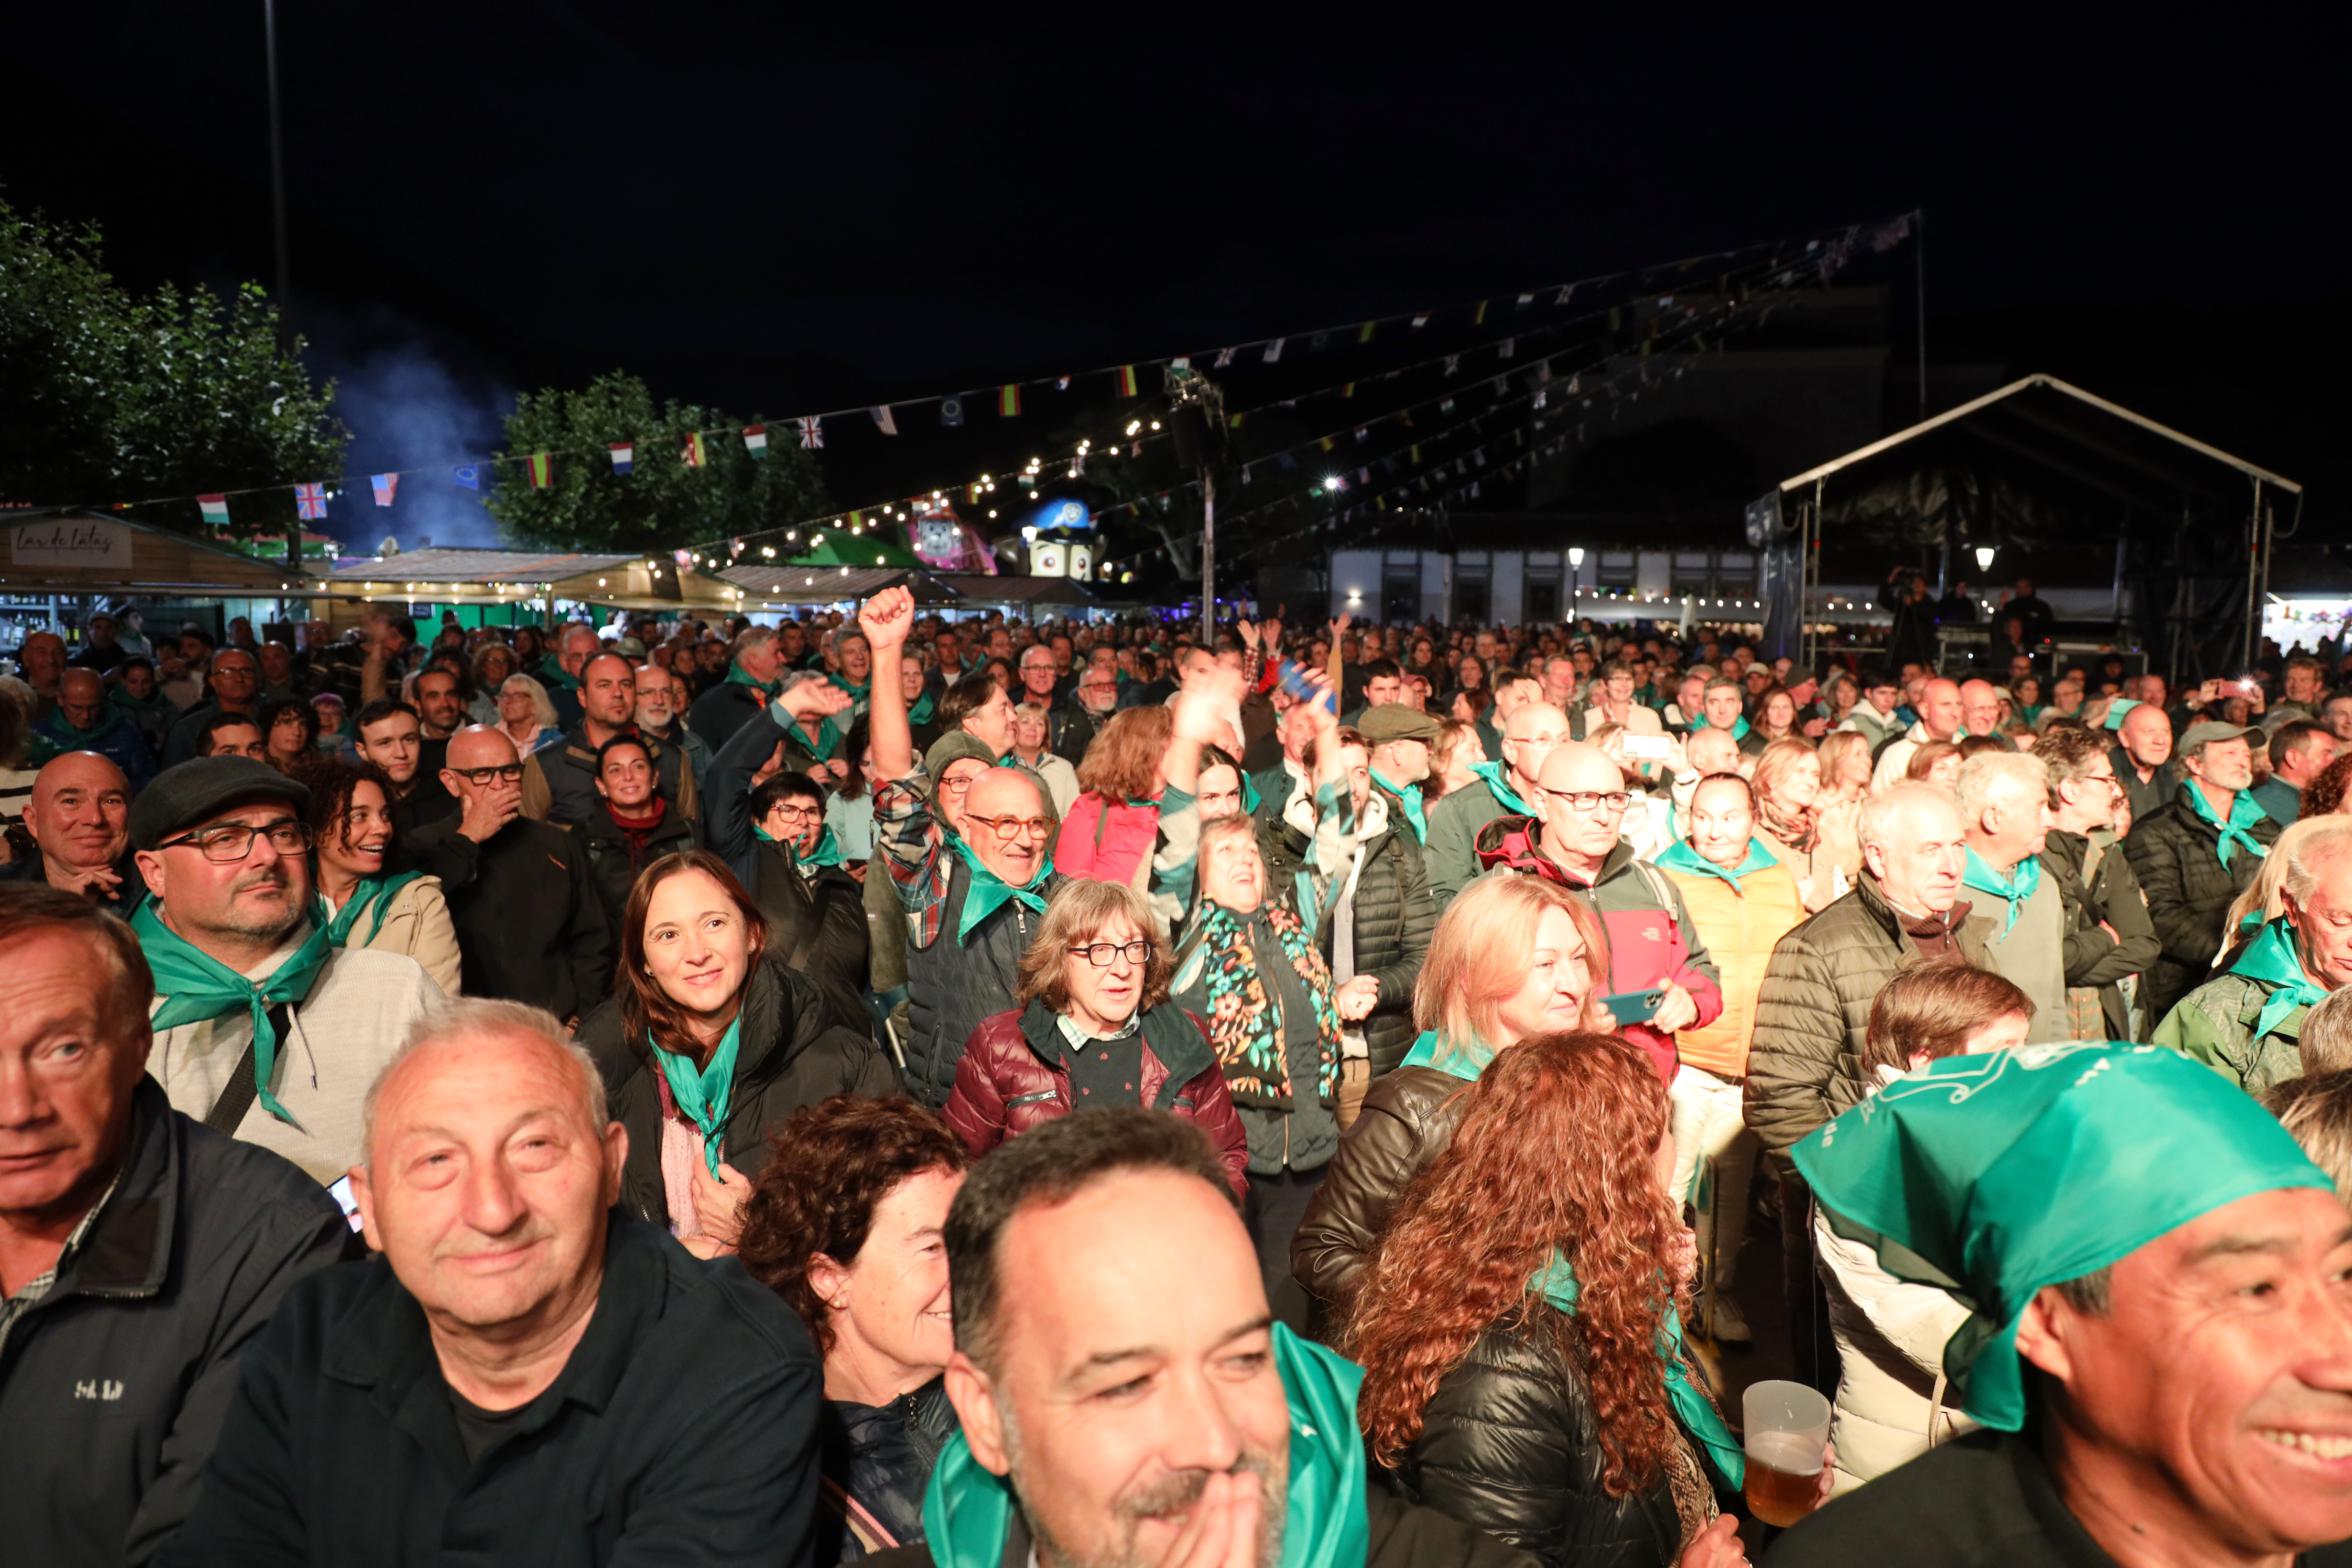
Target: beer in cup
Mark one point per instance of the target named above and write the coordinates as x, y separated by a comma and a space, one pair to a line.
1786, 1430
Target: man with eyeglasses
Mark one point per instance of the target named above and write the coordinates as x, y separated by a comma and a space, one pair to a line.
1505, 788
1658, 961
974, 893
2110, 939
530, 922
1067, 730
233, 680
263, 1030
660, 701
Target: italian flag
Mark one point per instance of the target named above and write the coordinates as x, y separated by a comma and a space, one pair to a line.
542, 466
1126, 379
215, 509
1008, 399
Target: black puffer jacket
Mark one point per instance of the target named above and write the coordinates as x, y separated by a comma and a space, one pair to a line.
1510, 1443
2093, 958
791, 1056
2177, 856
614, 869
1408, 1118
1394, 916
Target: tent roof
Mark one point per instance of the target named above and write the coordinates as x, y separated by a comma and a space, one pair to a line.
2049, 424
829, 584
450, 565
985, 588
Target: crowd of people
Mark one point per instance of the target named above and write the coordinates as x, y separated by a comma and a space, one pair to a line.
981, 1092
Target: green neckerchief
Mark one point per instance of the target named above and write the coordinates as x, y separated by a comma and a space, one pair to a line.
1692, 1407
826, 854
858, 692
1409, 797
1465, 1061
990, 892
919, 711
736, 676
2245, 811
2272, 959
195, 987
968, 1512
60, 730
1249, 794
1679, 856
1503, 793
551, 670
828, 739
704, 1095
1738, 730
375, 892
2014, 889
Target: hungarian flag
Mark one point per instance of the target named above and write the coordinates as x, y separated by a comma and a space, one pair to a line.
755, 440
215, 509
386, 487
310, 501
1125, 375
691, 453
541, 466
624, 457
1008, 400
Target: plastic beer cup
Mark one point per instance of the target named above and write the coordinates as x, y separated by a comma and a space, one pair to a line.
1786, 1427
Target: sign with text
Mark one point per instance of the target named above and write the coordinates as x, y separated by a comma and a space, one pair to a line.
70, 541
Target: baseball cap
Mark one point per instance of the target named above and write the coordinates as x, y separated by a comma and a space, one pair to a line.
2206, 731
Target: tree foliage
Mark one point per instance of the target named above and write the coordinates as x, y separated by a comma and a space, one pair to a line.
109, 395
662, 504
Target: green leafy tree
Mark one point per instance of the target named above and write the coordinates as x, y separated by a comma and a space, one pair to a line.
663, 504
111, 396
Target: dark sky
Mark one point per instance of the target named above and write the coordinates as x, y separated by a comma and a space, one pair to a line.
777, 207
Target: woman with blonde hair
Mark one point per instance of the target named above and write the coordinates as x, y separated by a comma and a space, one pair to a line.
1092, 1027
1108, 833
1452, 755
1821, 845
1031, 725
1512, 957
1845, 767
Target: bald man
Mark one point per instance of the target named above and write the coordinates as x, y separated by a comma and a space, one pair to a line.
1503, 788
1940, 718
2144, 764
1980, 710
86, 721
80, 817
1577, 841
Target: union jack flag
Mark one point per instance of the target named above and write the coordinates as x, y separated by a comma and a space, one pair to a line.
812, 431
311, 501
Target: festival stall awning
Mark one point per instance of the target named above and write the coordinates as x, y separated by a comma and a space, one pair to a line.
81, 552
779, 585
456, 576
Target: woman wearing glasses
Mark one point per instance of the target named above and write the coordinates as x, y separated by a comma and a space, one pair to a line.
361, 903
712, 1040
1094, 1027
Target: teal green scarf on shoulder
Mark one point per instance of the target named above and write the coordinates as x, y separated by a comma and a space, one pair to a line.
736, 676
1409, 797
1692, 1407
826, 854
1506, 796
195, 987
1679, 856
374, 893
2245, 811
990, 892
2014, 889
704, 1095
2272, 959
919, 711
1465, 1061
1738, 730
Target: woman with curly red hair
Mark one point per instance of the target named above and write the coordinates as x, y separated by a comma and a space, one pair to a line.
1522, 1352
845, 1224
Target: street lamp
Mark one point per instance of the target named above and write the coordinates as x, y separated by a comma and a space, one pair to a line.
1984, 557
1575, 572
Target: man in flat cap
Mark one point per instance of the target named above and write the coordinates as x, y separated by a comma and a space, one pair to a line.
2196, 853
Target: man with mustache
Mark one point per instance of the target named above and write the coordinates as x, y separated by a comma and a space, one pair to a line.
262, 1029
520, 1374
1124, 1395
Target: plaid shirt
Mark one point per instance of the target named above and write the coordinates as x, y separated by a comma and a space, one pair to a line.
913, 843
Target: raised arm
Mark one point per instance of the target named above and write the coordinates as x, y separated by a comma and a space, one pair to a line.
886, 619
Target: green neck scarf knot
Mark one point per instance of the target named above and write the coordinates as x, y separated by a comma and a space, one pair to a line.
2272, 959
1679, 856
2245, 811
374, 893
704, 1094
1503, 793
2014, 889
195, 987
989, 892
1409, 797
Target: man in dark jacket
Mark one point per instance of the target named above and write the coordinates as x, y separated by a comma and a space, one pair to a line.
755, 662
529, 920
1068, 731
1100, 1258
2196, 853
86, 721
524, 1379
139, 1251
2145, 768
232, 680
608, 707
632, 826
2109, 938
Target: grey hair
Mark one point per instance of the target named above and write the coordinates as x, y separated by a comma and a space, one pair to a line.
1879, 811
542, 708
481, 1015
1982, 776
2317, 1111
2323, 841
2325, 1043
749, 638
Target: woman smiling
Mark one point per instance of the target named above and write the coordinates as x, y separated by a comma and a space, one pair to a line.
363, 905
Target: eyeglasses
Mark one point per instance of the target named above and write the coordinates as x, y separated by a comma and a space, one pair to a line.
511, 772
792, 813
1100, 954
1009, 828
233, 841
1608, 801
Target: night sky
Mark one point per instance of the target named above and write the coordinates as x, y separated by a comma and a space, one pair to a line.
774, 208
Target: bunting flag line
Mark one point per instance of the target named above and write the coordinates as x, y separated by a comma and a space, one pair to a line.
951, 411
1421, 319
1124, 379
215, 509
1061, 384
812, 435
755, 440
386, 487
1364, 333
884, 420
542, 469
1273, 355
1510, 346
310, 501
467, 476
1478, 316
1008, 400
1347, 389
690, 451
624, 457
1224, 358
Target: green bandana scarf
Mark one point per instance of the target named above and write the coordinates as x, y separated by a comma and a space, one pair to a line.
919, 711
1409, 797
828, 739
1465, 1061
990, 892
196, 987
1738, 731
551, 673
2245, 811
2014, 889
2272, 959
704, 1095
770, 690
1681, 857
1692, 1407
857, 692
1508, 797
371, 893
825, 855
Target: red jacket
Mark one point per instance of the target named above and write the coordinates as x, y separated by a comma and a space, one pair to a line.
1012, 1078
1651, 937
1103, 842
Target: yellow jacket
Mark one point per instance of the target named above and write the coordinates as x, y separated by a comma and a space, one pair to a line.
1740, 923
